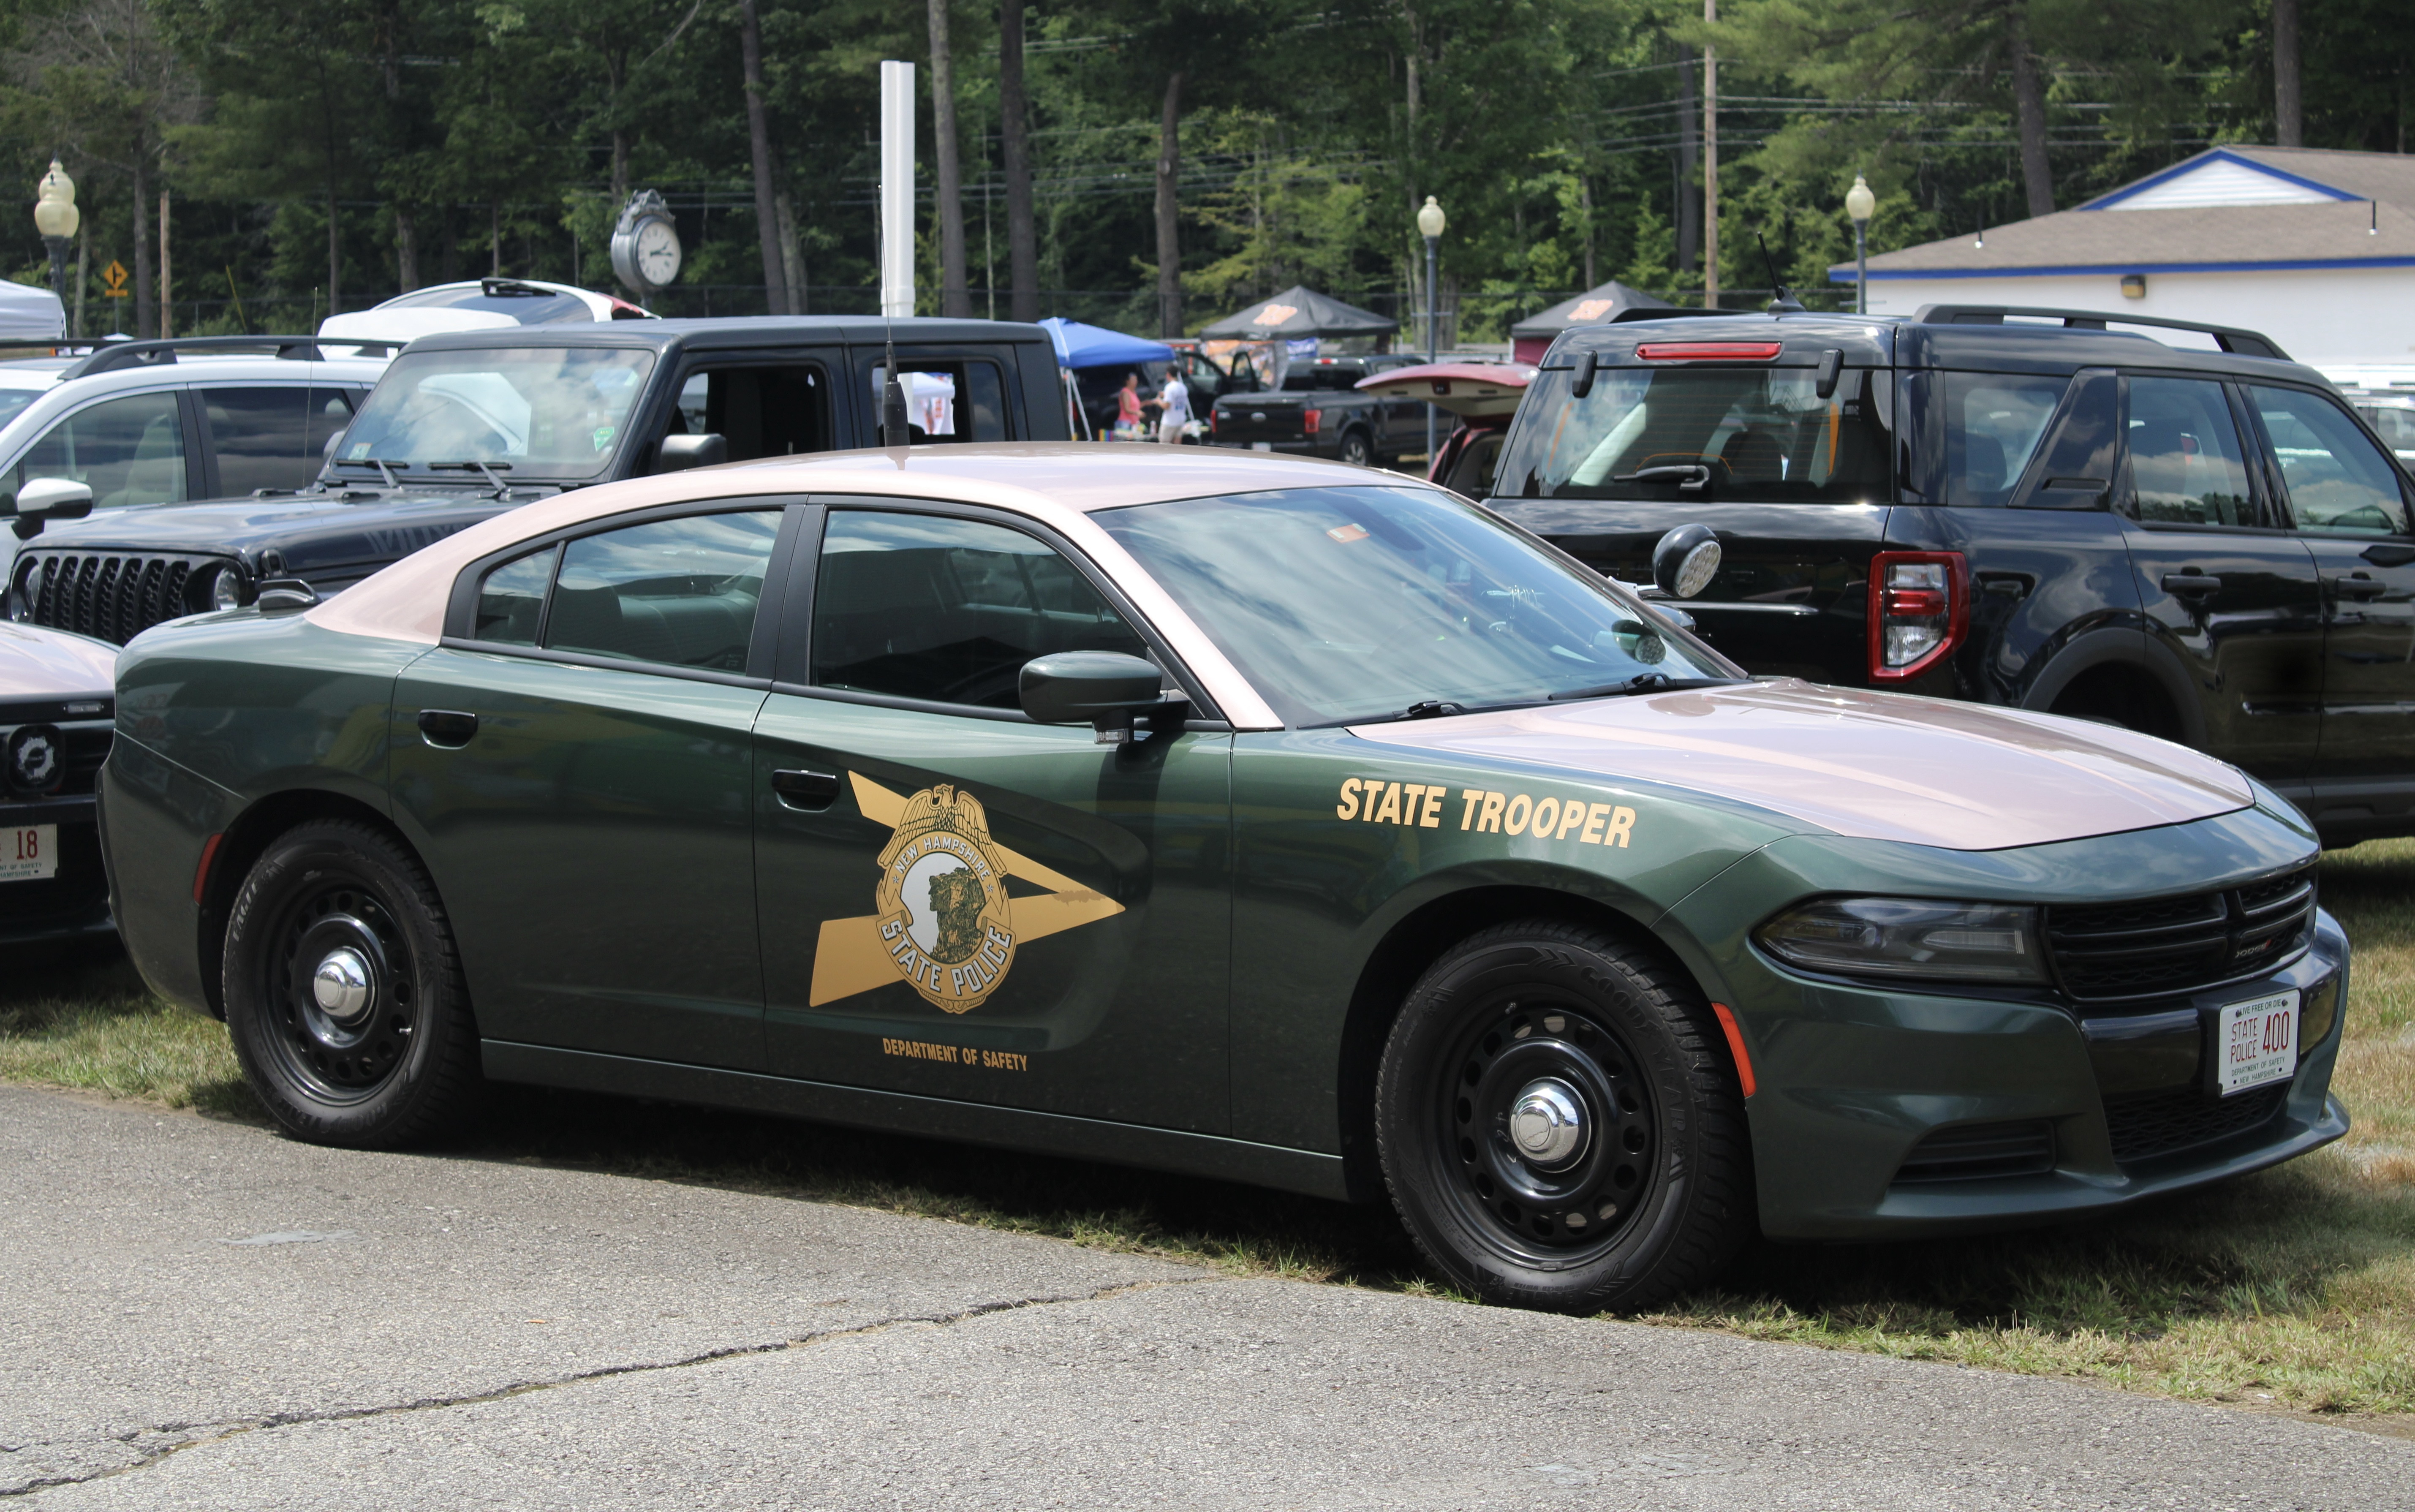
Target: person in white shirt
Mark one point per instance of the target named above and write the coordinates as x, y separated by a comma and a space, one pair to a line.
1172, 403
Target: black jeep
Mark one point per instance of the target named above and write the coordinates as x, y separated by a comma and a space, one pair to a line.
2193, 537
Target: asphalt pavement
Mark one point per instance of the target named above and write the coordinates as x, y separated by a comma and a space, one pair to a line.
201, 1314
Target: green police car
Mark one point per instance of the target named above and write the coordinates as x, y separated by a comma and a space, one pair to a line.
1238, 815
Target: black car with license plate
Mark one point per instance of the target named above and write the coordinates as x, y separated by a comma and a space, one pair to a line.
1319, 411
2190, 537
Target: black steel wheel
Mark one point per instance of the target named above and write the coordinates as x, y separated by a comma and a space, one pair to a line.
1558, 1124
1356, 449
343, 992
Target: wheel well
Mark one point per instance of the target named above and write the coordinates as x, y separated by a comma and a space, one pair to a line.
1402, 957
2121, 694
242, 845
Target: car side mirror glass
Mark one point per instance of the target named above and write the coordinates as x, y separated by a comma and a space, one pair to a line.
1102, 689
680, 453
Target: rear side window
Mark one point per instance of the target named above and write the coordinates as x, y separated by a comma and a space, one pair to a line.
948, 401
511, 599
2187, 465
681, 593
1761, 433
1993, 425
948, 611
271, 438
2339, 483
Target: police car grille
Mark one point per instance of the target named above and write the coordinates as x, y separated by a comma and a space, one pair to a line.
112, 595
2158, 946
2165, 1123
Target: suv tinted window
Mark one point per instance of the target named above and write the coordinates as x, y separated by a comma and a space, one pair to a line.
1763, 432
949, 400
1993, 423
511, 598
2338, 481
130, 451
758, 411
2187, 465
270, 438
923, 606
2394, 424
681, 592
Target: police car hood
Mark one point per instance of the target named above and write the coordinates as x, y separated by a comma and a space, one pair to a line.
1872, 766
310, 530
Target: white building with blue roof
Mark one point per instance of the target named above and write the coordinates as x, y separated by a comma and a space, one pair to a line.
2315, 249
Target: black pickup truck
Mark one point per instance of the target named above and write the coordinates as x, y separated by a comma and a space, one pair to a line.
1319, 411
2193, 538
464, 426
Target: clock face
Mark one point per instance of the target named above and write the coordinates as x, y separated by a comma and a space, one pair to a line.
658, 253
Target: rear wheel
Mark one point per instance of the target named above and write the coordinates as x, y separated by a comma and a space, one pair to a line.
343, 992
1355, 449
1556, 1127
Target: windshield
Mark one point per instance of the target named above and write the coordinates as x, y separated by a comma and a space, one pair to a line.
544, 412
1354, 603
1759, 433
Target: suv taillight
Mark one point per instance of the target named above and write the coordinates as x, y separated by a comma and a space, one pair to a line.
1309, 418
1920, 605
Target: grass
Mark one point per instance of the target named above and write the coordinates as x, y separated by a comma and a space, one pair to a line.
2292, 1289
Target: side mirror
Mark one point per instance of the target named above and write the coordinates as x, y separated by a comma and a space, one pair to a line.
1686, 561
283, 595
327, 453
1100, 688
680, 453
43, 499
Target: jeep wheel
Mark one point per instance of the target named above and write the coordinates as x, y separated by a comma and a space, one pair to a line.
1355, 449
343, 992
1557, 1126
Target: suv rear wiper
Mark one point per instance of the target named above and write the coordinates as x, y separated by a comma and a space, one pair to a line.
1690, 477
1643, 682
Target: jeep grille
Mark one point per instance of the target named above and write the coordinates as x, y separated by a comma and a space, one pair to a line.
109, 596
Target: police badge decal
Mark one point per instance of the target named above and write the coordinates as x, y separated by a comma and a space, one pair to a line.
943, 912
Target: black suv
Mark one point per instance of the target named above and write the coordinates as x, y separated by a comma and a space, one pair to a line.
464, 426
2195, 538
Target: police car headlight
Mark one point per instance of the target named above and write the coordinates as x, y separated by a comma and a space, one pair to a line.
1910, 938
226, 589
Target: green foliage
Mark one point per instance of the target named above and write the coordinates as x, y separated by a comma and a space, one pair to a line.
308, 144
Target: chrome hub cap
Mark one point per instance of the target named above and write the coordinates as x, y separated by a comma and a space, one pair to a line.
341, 986
1548, 1123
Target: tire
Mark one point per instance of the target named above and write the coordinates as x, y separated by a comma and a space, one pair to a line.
1656, 1194
392, 1061
1355, 449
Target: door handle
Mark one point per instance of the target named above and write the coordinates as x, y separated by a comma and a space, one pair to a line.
2191, 583
447, 729
2358, 586
811, 791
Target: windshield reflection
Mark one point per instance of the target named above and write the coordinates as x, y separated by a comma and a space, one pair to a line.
544, 412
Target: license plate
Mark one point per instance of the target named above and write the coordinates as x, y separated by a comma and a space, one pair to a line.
30, 854
1262, 447
2257, 1042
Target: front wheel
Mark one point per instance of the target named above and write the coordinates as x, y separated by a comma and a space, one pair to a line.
344, 995
1557, 1126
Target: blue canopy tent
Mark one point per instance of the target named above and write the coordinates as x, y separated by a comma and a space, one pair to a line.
1081, 346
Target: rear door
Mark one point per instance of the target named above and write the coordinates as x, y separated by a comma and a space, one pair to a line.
2225, 585
575, 762
267, 436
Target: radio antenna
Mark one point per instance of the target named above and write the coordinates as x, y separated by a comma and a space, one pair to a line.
1781, 302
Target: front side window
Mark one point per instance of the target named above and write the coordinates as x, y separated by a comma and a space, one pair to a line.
757, 411
2339, 483
1760, 433
129, 451
544, 412
1350, 604
2186, 467
673, 592
948, 611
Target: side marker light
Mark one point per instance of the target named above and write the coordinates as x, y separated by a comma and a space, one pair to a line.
1735, 1043
210, 853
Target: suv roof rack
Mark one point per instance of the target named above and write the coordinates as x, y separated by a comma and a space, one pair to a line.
113, 355
2228, 338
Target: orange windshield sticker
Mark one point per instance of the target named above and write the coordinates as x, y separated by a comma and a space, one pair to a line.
1347, 534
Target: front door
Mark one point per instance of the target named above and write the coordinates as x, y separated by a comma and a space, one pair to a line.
2225, 585
576, 762
2350, 505
959, 903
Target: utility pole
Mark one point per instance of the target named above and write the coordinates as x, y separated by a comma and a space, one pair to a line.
1710, 164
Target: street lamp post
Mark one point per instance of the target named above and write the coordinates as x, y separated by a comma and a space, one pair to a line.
56, 218
1430, 224
1860, 204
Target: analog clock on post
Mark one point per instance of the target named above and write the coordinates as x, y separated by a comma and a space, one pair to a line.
646, 244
